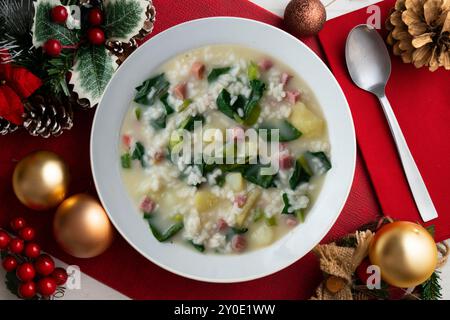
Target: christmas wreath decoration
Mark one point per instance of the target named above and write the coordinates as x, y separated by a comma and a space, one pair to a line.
57, 56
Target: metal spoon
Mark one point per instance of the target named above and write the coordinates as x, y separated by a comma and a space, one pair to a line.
369, 66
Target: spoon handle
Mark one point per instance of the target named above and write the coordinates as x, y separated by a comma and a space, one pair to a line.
416, 184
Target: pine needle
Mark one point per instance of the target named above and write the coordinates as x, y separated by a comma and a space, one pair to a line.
16, 19
431, 289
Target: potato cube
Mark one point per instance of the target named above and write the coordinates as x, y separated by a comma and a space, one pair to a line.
306, 121
205, 201
262, 235
235, 181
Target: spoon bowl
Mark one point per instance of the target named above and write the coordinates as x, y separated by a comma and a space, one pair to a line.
367, 59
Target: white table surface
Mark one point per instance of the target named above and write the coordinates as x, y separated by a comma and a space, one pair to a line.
93, 289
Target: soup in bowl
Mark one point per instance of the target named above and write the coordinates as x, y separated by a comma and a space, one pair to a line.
225, 155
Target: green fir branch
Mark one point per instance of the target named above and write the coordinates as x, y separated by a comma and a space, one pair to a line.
57, 69
431, 289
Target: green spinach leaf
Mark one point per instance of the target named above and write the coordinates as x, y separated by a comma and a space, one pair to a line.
317, 162
188, 123
216, 73
198, 247
252, 109
287, 131
138, 153
286, 204
224, 103
161, 122
298, 176
253, 174
151, 89
166, 235
169, 109
233, 231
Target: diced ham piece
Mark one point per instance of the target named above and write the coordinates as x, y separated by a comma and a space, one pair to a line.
286, 161
285, 77
237, 134
147, 205
222, 225
158, 156
126, 140
265, 64
283, 146
240, 200
238, 243
180, 91
292, 96
198, 69
291, 221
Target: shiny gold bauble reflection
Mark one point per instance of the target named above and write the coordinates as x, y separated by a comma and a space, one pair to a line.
81, 227
405, 252
40, 180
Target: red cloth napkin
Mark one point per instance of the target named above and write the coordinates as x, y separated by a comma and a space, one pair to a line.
121, 267
421, 102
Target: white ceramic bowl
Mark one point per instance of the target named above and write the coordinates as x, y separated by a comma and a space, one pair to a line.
116, 100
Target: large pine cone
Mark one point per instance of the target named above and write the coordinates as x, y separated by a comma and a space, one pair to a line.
6, 127
420, 32
46, 116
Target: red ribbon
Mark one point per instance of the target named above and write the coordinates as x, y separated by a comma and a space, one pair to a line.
16, 84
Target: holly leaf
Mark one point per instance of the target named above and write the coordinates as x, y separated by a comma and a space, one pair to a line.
44, 29
124, 18
93, 69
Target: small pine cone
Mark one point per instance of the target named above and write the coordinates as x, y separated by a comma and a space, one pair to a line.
419, 32
6, 127
123, 49
76, 102
46, 116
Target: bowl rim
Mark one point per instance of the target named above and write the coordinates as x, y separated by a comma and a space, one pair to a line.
352, 159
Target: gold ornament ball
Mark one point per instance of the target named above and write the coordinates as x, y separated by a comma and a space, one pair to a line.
304, 17
405, 252
81, 227
40, 180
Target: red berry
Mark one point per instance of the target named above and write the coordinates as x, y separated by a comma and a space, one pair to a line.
44, 265
95, 17
4, 239
59, 14
27, 290
9, 263
53, 47
27, 233
96, 36
46, 286
18, 223
60, 276
16, 245
32, 250
25, 272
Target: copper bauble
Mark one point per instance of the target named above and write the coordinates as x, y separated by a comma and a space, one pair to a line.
405, 252
304, 17
40, 180
81, 227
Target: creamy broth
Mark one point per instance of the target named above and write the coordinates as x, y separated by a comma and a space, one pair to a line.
216, 209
